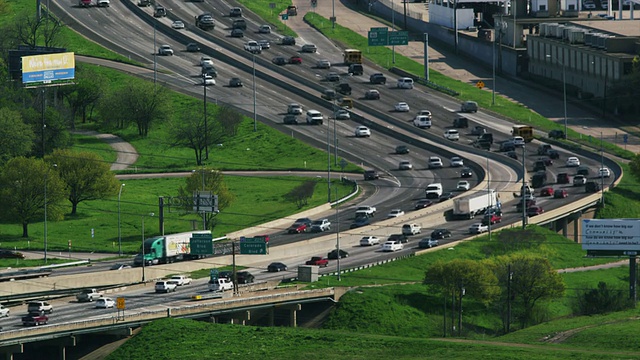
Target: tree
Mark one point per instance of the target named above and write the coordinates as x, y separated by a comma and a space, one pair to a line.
601, 300
476, 277
206, 180
140, 102
86, 92
301, 194
513, 240
188, 130
86, 175
28, 29
627, 90
23, 185
530, 279
16, 137
229, 120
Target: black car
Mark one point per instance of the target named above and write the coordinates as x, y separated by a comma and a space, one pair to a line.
446, 196
466, 173
553, 154
276, 267
512, 154
10, 254
237, 33
360, 221
507, 146
377, 78
288, 40
279, 60
539, 166
344, 89
193, 47
235, 82
486, 137
482, 144
427, 243
333, 254
244, 277
423, 203
403, 239
556, 134
290, 119
440, 234
591, 187
402, 149
583, 170
371, 175
461, 122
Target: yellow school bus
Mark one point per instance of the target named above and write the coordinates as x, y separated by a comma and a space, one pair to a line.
525, 131
352, 56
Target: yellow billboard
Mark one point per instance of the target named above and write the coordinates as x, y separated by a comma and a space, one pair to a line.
48, 67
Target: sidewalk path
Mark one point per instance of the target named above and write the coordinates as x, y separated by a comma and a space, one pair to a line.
546, 102
127, 154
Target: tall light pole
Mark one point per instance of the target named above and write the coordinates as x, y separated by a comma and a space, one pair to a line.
46, 175
601, 174
328, 165
523, 192
119, 233
143, 259
564, 91
490, 204
493, 86
255, 114
206, 128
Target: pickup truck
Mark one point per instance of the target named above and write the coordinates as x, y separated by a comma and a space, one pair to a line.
89, 295
321, 225
181, 279
253, 47
369, 211
35, 320
318, 261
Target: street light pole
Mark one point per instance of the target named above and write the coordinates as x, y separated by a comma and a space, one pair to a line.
143, 259
206, 128
255, 114
119, 232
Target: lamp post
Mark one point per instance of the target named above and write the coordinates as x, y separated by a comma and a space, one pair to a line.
490, 204
255, 114
143, 259
46, 175
523, 192
119, 233
601, 174
206, 128
564, 91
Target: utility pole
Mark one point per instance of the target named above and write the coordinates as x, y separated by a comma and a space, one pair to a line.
509, 277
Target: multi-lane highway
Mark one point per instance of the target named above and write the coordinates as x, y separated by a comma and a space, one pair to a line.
120, 26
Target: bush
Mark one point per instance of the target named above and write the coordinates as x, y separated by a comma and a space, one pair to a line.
601, 300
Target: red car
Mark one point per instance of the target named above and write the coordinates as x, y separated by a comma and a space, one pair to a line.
295, 60
492, 218
560, 194
534, 210
547, 191
564, 178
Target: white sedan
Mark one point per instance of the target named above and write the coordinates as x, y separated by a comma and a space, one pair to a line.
105, 303
342, 114
369, 241
405, 165
208, 80
573, 161
518, 141
604, 172
177, 24
456, 161
395, 213
363, 131
402, 107
463, 185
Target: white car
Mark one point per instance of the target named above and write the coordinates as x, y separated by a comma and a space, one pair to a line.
177, 24
206, 61
424, 113
456, 161
392, 246
105, 303
342, 114
165, 50
478, 228
573, 161
405, 165
208, 80
435, 162
166, 286
264, 44
452, 135
463, 185
369, 241
264, 29
395, 213
402, 107
4, 311
363, 131
604, 172
323, 64
518, 141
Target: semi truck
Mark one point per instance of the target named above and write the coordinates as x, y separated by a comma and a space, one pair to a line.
167, 249
469, 206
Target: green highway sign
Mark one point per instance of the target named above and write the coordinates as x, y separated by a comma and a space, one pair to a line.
285, 16
253, 246
399, 38
201, 244
378, 36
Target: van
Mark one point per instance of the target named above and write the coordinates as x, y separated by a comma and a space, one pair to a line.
452, 135
469, 106
220, 284
461, 122
239, 24
422, 121
314, 117
356, 69
433, 191
39, 307
405, 83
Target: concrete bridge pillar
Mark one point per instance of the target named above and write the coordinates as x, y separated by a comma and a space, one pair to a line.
293, 315
564, 223
241, 317
271, 316
12, 349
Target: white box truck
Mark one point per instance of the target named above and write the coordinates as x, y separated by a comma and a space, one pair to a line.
167, 249
469, 206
